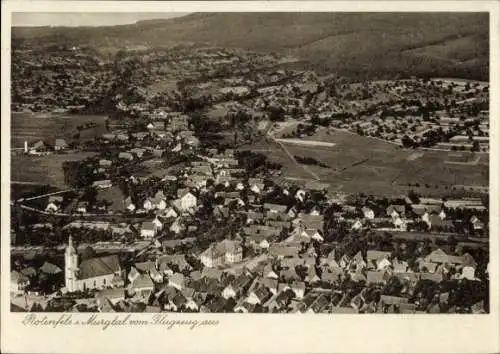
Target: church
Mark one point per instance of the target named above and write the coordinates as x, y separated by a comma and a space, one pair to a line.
93, 273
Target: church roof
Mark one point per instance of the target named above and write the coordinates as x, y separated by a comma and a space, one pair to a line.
95, 267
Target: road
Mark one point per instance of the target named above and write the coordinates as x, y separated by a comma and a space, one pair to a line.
290, 155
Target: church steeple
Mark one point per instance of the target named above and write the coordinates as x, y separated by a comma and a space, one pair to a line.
70, 266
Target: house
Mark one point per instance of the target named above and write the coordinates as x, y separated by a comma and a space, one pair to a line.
468, 272
224, 252
105, 163
178, 260
477, 224
170, 213
375, 257
229, 292
357, 225
357, 262
375, 277
396, 210
159, 200
177, 226
399, 223
186, 201
298, 288
81, 207
437, 256
126, 156
368, 213
60, 144
18, 282
112, 295
50, 269
281, 250
52, 207
259, 295
148, 229
128, 204
142, 286
399, 266
102, 184
177, 280
148, 204
158, 224
275, 208
37, 147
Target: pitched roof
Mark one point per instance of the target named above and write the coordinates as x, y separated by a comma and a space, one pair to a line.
435, 277
393, 300
375, 277
50, 268
276, 207
373, 255
144, 266
437, 256
95, 267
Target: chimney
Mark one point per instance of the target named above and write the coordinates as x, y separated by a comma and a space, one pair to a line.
25, 147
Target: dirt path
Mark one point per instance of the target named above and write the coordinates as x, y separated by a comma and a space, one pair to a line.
290, 155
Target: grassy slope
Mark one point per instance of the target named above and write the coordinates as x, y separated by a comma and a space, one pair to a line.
363, 44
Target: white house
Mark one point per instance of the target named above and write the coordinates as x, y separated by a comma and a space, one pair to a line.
52, 207
170, 213
357, 225
158, 224
148, 229
186, 202
228, 292
368, 213
148, 204
399, 224
468, 272
18, 282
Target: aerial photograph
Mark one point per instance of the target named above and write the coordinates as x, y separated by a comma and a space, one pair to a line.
250, 162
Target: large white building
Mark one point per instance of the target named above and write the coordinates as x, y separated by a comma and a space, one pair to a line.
93, 273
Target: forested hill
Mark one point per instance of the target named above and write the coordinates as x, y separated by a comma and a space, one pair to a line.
372, 45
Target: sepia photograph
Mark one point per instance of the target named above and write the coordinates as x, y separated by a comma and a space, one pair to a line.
255, 163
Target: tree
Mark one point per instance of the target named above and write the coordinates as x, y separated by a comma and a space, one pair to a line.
407, 141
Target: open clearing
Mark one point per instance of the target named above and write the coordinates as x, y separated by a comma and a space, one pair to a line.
43, 169
362, 165
32, 127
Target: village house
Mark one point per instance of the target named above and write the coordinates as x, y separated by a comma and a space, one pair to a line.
187, 201
149, 229
18, 283
102, 184
60, 144
224, 252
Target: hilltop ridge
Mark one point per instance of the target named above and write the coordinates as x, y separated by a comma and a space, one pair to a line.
365, 45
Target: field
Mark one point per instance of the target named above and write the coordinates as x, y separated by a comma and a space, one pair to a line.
366, 165
43, 169
32, 127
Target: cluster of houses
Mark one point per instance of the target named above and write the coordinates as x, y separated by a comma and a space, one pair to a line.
276, 253
278, 260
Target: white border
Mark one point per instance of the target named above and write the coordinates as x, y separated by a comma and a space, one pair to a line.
264, 333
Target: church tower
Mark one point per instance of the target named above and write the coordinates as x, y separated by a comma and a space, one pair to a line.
70, 266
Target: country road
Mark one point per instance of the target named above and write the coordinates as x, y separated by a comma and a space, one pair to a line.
290, 155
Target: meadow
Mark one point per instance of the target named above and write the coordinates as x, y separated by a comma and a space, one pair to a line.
366, 165
32, 127
43, 169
